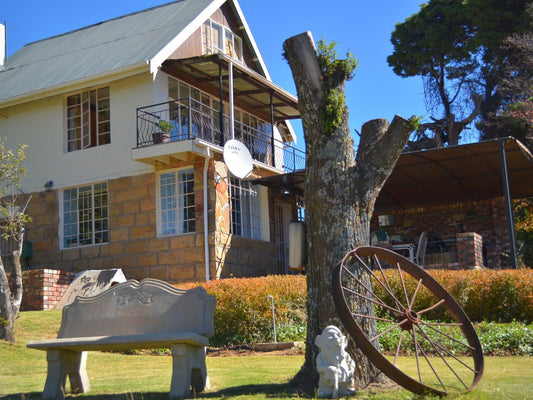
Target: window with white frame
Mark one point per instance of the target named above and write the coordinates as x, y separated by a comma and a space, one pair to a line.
85, 215
219, 39
176, 202
245, 212
88, 119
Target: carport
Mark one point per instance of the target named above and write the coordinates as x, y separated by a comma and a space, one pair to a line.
464, 173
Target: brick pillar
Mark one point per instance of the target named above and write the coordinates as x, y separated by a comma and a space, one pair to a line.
469, 250
44, 288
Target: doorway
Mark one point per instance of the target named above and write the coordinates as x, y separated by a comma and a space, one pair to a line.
283, 218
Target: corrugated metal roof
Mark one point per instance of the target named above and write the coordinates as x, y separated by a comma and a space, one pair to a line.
456, 174
105, 47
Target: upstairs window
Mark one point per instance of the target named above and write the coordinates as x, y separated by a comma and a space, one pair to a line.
85, 215
88, 119
219, 39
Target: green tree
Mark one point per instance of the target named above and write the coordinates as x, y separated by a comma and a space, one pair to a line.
456, 47
13, 220
523, 216
515, 87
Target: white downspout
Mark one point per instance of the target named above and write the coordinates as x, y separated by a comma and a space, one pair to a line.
206, 219
231, 109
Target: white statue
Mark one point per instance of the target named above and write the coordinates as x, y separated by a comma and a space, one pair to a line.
334, 364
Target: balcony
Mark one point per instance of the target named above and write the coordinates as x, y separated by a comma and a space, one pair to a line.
187, 120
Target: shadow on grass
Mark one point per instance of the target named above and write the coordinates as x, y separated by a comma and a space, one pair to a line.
267, 390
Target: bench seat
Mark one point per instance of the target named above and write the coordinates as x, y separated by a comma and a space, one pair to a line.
124, 342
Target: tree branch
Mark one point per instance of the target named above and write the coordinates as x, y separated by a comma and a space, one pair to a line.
380, 146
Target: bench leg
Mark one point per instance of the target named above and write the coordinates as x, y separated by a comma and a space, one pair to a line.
181, 372
77, 372
199, 379
188, 369
60, 364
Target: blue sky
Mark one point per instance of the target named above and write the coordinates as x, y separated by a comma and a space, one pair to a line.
361, 27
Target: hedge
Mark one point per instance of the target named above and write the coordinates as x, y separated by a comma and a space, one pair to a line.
485, 295
243, 314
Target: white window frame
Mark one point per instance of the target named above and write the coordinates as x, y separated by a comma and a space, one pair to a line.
245, 209
228, 42
184, 222
71, 219
78, 121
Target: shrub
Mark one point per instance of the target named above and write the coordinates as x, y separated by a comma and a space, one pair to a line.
514, 338
506, 339
243, 314
485, 295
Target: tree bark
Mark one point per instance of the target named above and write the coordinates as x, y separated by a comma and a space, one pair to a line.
6, 309
17, 285
340, 192
10, 302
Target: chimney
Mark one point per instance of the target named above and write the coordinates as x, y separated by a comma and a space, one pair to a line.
3, 44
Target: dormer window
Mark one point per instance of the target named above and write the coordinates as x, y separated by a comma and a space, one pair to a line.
217, 38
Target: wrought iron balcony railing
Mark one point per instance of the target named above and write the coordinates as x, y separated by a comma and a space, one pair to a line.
188, 119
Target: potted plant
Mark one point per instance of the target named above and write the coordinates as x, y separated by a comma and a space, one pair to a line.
163, 135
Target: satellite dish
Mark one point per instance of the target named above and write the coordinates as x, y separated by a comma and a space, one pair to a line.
238, 158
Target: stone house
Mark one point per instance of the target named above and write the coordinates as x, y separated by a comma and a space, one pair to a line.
126, 122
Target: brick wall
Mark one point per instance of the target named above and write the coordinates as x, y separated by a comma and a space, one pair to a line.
44, 288
486, 218
237, 257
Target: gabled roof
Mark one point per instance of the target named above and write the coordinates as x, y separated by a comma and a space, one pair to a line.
138, 41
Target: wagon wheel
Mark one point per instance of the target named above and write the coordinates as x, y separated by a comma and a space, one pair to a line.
447, 355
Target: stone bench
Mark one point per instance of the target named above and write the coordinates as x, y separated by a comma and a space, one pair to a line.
132, 315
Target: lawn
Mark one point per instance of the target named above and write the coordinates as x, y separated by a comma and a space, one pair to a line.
128, 377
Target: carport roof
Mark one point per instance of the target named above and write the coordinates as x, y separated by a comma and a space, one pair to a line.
455, 174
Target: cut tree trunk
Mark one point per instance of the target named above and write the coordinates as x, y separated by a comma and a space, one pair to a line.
340, 193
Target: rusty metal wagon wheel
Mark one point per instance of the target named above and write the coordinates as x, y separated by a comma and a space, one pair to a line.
412, 305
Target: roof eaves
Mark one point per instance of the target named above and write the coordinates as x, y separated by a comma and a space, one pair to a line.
74, 85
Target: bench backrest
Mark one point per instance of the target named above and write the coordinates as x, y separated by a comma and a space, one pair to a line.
137, 308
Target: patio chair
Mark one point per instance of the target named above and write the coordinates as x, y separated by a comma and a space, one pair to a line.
379, 237
421, 249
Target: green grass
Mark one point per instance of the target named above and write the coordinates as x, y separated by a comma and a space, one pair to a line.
141, 377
